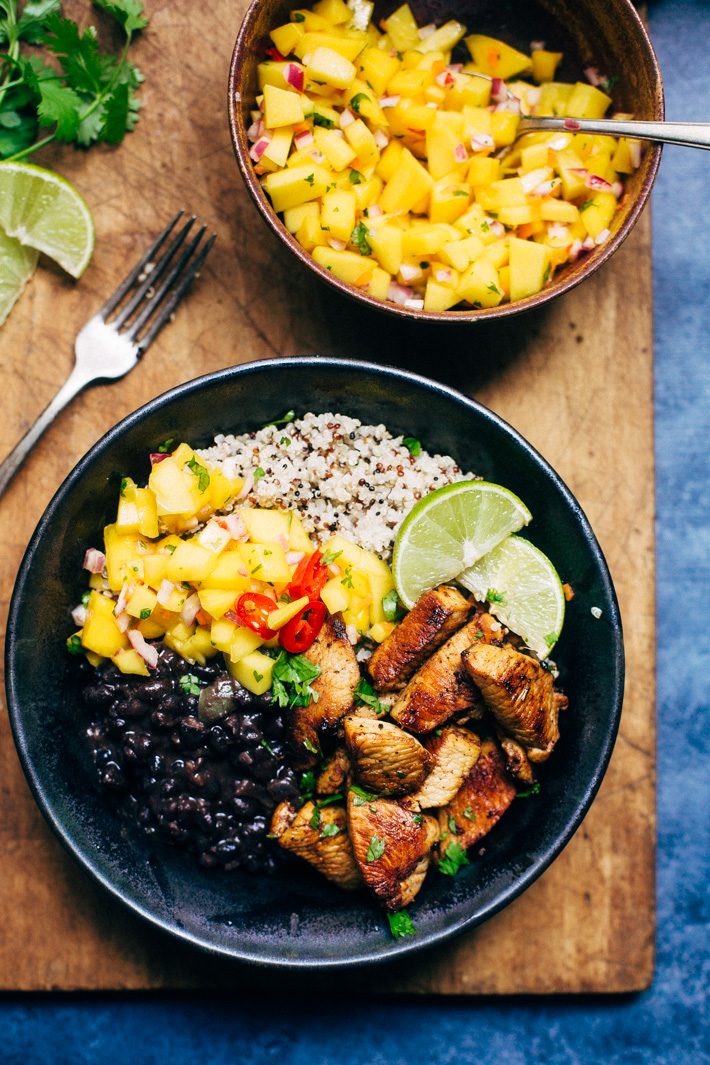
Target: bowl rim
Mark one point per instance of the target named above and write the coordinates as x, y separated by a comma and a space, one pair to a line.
400, 947
590, 265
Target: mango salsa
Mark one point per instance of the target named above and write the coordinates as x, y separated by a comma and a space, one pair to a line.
373, 140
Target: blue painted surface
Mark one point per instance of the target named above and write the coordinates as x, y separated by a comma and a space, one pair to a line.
668, 1024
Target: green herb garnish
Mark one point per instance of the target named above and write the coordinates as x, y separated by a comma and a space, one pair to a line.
495, 597
376, 849
258, 474
85, 598
329, 557
391, 605
468, 814
359, 238
288, 417
308, 784
292, 675
322, 120
532, 790
455, 857
190, 684
310, 178
298, 17
200, 472
164, 448
145, 613
74, 645
401, 924
452, 825
362, 797
357, 99
124, 480
412, 445
330, 829
348, 578
365, 696
356, 178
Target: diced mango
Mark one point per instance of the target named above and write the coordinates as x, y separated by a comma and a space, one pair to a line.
335, 11
386, 244
265, 526
243, 642
130, 662
291, 187
141, 602
462, 253
100, 633
172, 493
347, 265
297, 536
253, 672
285, 37
266, 562
495, 58
338, 213
349, 47
409, 183
190, 562
544, 64
377, 67
529, 267
597, 212
327, 65
402, 28
335, 596
444, 38
586, 101
216, 601
479, 284
295, 215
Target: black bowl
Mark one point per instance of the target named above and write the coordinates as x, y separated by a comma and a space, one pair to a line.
302, 921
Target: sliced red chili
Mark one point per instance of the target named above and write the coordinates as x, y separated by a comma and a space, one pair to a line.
273, 53
310, 577
253, 610
300, 632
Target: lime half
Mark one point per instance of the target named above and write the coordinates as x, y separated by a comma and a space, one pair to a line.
523, 591
17, 264
449, 530
43, 211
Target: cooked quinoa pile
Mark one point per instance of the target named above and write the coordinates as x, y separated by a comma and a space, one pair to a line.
340, 475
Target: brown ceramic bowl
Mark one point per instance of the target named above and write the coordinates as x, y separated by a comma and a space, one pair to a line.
606, 34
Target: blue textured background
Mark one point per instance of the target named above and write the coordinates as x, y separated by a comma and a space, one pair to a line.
671, 1022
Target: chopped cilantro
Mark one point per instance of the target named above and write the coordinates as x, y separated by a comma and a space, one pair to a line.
285, 441
322, 120
365, 696
359, 238
608, 84
292, 676
494, 289
495, 597
308, 784
362, 797
455, 857
452, 825
459, 192
532, 790
288, 417
200, 472
257, 676
310, 746
85, 598
348, 578
485, 228
310, 178
390, 605
331, 829
357, 99
190, 684
468, 814
546, 275
258, 474
268, 746
440, 732
164, 448
356, 177
401, 924
587, 203
329, 557
412, 445
551, 639
298, 17
145, 613
124, 484
172, 548
418, 818
424, 265
376, 849
74, 646
315, 818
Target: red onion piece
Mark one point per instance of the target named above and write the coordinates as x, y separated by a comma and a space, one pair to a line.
593, 76
559, 143
375, 211
444, 277
592, 181
346, 118
579, 171
337, 245
499, 91
481, 141
156, 457
260, 147
410, 273
147, 651
532, 179
496, 228
165, 591
294, 75
635, 154
575, 250
414, 305
304, 139
294, 557
380, 138
399, 293
235, 526
190, 609
545, 188
558, 231
246, 487
603, 235
513, 104
537, 46
389, 101
588, 244
78, 615
253, 132
460, 154
94, 561
123, 621
618, 189
316, 155
455, 68
572, 124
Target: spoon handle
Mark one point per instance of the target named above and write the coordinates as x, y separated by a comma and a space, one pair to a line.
689, 134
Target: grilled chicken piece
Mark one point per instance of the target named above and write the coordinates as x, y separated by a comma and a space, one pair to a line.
385, 758
336, 774
392, 844
519, 691
442, 686
516, 760
335, 687
454, 754
331, 855
436, 615
480, 802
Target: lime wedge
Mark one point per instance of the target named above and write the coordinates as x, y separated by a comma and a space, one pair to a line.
449, 530
17, 264
523, 591
43, 211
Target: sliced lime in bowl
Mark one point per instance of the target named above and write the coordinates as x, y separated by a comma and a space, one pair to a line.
449, 530
523, 591
17, 264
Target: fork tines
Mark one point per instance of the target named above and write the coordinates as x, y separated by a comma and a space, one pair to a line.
158, 284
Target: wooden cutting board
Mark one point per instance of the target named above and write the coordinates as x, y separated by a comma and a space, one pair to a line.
574, 378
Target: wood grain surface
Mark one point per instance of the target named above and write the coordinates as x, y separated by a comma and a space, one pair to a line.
575, 378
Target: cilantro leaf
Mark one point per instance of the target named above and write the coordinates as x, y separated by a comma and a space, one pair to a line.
412, 445
359, 238
288, 417
30, 25
74, 645
357, 99
376, 849
258, 474
365, 696
330, 829
401, 924
127, 12
391, 606
532, 790
308, 784
115, 115
355, 177
190, 684
495, 597
78, 53
292, 675
315, 818
455, 857
362, 797
200, 472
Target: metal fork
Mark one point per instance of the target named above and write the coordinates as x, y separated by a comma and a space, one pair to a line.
102, 352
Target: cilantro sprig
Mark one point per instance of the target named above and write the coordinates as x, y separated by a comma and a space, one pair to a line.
365, 696
401, 924
454, 858
84, 97
292, 676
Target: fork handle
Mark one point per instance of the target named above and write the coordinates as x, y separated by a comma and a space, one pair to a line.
77, 380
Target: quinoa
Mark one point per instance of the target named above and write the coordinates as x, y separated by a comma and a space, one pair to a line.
338, 474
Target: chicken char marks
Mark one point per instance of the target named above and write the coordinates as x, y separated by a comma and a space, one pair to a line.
480, 802
441, 687
335, 688
454, 752
435, 616
385, 758
392, 844
310, 834
519, 692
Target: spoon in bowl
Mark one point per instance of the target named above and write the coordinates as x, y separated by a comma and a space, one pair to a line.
689, 134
